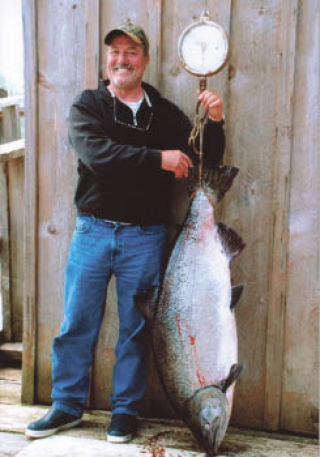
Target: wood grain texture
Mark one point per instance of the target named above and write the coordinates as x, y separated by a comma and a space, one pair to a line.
5, 274
300, 387
60, 79
248, 205
279, 237
30, 306
10, 125
12, 201
16, 205
15, 193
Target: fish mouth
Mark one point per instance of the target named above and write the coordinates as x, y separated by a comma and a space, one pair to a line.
209, 436
206, 415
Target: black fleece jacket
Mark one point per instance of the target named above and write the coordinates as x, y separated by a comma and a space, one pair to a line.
119, 167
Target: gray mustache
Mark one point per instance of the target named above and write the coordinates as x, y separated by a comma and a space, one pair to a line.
122, 66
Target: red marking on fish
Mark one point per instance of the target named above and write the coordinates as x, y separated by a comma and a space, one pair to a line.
192, 339
201, 379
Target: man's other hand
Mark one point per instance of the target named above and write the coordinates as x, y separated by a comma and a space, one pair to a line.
176, 161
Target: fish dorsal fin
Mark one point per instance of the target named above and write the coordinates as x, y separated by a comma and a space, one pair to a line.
234, 374
147, 301
231, 241
236, 292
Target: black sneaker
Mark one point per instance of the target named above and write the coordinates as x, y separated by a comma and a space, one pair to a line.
121, 428
52, 422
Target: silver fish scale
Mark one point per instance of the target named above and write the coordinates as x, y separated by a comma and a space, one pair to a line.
194, 330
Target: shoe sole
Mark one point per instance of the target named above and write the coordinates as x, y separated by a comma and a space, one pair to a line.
119, 439
50, 431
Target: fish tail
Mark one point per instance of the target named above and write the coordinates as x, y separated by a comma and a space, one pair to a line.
215, 181
218, 181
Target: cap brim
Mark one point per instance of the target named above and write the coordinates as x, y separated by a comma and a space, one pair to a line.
109, 37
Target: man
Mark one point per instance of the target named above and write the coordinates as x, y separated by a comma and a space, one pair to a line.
131, 144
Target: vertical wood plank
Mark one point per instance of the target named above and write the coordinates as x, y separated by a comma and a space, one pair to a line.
250, 126
16, 206
60, 79
92, 51
283, 118
5, 277
15, 194
10, 124
30, 330
300, 396
10, 289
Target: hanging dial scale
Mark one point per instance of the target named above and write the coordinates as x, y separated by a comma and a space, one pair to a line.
203, 51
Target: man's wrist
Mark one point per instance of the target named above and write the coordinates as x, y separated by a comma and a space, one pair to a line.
222, 119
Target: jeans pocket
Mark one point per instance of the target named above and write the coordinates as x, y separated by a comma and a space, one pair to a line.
83, 224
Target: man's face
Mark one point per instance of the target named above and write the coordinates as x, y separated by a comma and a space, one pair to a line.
126, 63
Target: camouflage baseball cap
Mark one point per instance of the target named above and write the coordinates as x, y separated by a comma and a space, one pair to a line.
135, 32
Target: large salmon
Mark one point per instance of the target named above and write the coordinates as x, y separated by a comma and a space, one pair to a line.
193, 325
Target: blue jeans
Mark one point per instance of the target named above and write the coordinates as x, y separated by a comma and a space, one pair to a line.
98, 249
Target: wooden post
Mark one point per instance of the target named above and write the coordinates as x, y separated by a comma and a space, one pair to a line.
10, 124
31, 203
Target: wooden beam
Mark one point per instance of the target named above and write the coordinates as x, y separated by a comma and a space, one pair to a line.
11, 351
12, 150
29, 8
10, 101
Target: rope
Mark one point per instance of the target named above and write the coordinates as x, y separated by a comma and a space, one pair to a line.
197, 131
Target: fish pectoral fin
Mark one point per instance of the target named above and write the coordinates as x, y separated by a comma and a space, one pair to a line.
236, 292
147, 301
234, 373
231, 241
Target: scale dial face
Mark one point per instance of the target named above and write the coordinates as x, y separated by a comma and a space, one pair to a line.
203, 48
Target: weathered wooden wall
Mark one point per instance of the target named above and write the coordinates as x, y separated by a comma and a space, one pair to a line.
271, 97
11, 224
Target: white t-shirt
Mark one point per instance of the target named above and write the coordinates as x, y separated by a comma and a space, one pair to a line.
134, 106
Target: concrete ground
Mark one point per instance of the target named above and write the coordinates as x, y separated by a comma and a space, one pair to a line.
155, 438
